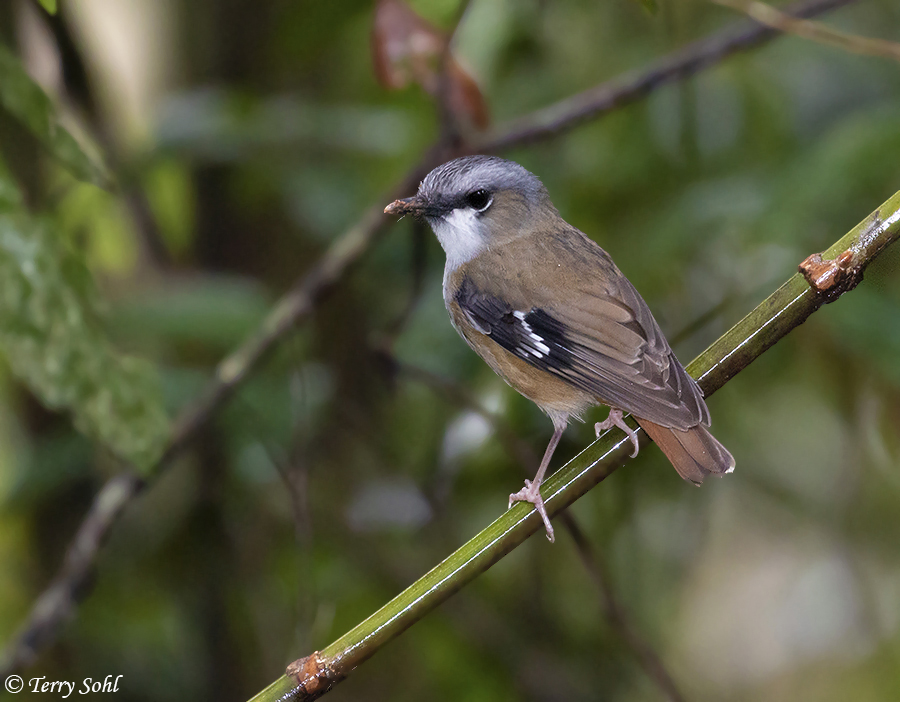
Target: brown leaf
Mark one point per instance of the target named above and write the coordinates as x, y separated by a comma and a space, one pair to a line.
465, 97
408, 49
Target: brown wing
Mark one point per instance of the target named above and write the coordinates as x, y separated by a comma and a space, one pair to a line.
600, 335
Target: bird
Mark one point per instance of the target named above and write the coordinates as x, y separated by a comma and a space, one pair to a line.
548, 310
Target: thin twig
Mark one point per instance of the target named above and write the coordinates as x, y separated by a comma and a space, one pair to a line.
80, 89
815, 31
58, 601
691, 59
450, 134
646, 656
521, 450
785, 309
69, 587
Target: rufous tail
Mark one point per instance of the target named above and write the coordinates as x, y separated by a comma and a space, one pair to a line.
695, 453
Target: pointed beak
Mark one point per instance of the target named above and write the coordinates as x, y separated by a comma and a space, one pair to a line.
409, 205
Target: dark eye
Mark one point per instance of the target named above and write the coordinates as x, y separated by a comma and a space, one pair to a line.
479, 200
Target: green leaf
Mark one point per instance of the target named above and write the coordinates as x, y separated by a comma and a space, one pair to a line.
26, 102
49, 5
51, 339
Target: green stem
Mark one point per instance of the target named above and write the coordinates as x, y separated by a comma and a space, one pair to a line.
778, 314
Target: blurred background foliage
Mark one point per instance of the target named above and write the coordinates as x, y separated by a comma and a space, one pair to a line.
244, 138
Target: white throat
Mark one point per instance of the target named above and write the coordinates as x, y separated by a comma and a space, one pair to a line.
460, 234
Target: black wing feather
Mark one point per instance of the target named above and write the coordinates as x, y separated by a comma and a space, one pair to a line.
650, 384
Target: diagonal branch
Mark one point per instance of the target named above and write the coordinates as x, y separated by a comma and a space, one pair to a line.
815, 31
60, 599
824, 277
57, 603
593, 102
618, 617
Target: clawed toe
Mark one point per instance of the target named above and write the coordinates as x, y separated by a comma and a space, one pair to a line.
531, 493
615, 420
523, 495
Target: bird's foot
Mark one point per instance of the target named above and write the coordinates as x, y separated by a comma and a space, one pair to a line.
615, 420
531, 493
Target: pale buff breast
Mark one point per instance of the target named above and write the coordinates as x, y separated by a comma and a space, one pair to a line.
553, 395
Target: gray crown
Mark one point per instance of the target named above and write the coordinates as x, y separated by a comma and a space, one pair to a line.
455, 179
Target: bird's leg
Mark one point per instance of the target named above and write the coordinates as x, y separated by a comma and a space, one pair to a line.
532, 490
615, 420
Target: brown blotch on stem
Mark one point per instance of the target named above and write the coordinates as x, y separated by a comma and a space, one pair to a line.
831, 277
313, 675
